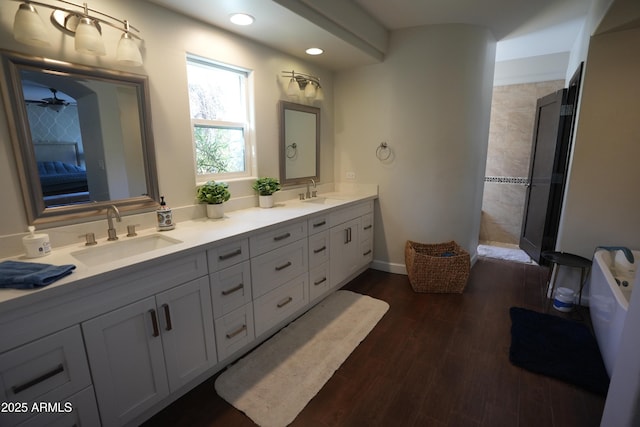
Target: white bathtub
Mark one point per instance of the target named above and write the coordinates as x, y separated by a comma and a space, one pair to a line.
609, 301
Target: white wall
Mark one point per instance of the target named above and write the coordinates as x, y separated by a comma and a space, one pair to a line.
430, 101
168, 37
601, 203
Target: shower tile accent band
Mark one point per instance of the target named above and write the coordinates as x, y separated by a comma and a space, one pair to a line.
507, 179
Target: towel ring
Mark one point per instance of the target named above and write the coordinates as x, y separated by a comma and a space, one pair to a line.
292, 150
383, 152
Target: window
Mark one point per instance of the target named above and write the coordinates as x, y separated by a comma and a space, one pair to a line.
218, 105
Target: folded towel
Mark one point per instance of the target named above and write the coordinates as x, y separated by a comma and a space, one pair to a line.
28, 275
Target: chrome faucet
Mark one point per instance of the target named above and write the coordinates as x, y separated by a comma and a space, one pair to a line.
308, 194
112, 211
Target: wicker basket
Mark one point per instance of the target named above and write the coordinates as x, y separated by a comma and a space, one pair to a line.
437, 268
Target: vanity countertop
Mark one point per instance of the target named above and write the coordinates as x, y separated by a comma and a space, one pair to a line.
195, 235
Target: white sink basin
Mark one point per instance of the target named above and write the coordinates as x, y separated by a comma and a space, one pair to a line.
322, 200
114, 251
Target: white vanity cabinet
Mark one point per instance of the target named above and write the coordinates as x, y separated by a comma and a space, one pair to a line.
121, 341
351, 244
141, 352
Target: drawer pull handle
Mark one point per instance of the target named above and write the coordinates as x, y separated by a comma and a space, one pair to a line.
236, 332
230, 255
154, 322
52, 373
324, 279
320, 224
283, 266
232, 290
366, 227
282, 237
285, 302
317, 251
367, 253
167, 316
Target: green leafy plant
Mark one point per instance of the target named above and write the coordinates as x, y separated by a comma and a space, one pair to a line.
213, 192
266, 186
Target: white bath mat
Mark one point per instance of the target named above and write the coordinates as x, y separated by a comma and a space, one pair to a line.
275, 382
505, 253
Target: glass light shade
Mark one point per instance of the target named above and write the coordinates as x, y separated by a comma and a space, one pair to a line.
88, 38
310, 90
28, 27
319, 94
293, 89
128, 52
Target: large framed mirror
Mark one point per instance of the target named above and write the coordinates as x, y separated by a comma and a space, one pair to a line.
299, 143
81, 136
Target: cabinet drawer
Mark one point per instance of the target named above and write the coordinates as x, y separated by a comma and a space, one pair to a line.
366, 250
228, 254
47, 370
319, 283
230, 288
350, 212
367, 227
277, 237
318, 249
318, 224
277, 305
234, 331
270, 270
83, 412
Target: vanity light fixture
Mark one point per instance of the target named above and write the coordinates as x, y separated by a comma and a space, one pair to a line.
305, 84
28, 28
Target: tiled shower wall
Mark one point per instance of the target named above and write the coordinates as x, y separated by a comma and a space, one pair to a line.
513, 112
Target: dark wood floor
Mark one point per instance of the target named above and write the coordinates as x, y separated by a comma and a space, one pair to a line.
432, 360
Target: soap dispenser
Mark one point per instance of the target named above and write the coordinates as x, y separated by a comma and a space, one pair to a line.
165, 216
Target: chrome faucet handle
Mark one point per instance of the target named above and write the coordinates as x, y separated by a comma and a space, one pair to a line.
90, 239
301, 196
314, 193
131, 230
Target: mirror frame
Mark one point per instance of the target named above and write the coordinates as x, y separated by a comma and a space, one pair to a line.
20, 133
285, 105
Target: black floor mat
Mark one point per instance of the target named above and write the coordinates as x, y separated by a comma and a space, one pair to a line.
557, 347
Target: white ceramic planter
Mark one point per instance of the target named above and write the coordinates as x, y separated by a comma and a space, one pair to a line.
265, 201
215, 211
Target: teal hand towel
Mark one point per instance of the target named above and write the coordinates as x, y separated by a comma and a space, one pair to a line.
29, 275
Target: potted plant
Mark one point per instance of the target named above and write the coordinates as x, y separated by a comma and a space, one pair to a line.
214, 194
265, 188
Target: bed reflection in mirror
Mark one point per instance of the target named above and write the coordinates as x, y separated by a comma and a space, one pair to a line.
86, 138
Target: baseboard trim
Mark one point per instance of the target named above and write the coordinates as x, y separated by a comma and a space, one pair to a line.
389, 267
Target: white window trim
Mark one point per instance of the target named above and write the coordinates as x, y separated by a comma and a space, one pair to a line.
250, 160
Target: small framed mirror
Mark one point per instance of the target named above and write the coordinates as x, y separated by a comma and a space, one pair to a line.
299, 143
81, 136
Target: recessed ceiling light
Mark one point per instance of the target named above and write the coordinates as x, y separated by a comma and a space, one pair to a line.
314, 51
241, 19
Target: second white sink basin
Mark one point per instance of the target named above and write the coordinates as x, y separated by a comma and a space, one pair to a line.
114, 251
322, 200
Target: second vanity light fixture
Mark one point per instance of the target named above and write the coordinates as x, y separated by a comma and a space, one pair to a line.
305, 84
29, 28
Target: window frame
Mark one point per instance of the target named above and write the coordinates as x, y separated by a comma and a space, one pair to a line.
246, 126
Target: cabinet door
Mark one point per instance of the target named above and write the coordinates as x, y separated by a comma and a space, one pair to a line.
186, 320
126, 358
345, 248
